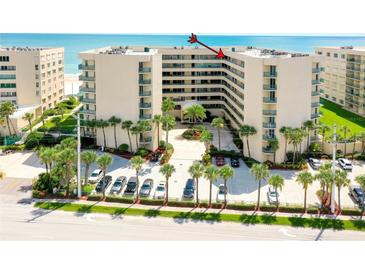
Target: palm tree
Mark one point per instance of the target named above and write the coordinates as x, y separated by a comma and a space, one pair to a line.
136, 130
296, 136
102, 124
206, 137
88, 157
274, 144
114, 121
196, 171
325, 178
67, 158
341, 181
7, 109
137, 162
277, 182
345, 129
226, 172
285, 131
167, 105
157, 119
260, 172
103, 162
218, 123
309, 126
354, 139
305, 178
324, 129
167, 170
56, 120
29, 117
195, 112
61, 110
361, 138
127, 126
168, 123
247, 131
211, 173
47, 156
144, 126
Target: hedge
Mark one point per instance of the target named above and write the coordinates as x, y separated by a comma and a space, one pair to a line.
181, 204
94, 197
151, 202
116, 199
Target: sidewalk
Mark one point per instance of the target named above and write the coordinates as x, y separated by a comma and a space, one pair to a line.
199, 210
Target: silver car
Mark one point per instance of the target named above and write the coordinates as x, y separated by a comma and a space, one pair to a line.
272, 196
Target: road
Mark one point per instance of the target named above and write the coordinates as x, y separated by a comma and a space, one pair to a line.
21, 221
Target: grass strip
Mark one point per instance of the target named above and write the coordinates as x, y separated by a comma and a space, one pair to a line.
267, 219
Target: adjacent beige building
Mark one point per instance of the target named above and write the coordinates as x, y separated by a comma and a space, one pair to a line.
31, 78
344, 76
267, 89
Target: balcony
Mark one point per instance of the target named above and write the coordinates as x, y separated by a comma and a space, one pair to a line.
144, 70
144, 82
271, 74
84, 89
145, 105
270, 87
353, 60
145, 93
268, 125
267, 150
86, 67
315, 115
267, 137
316, 82
353, 68
269, 112
315, 93
145, 116
87, 100
315, 104
86, 78
317, 70
88, 111
269, 100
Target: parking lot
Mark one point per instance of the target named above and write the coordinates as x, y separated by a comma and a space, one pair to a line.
242, 187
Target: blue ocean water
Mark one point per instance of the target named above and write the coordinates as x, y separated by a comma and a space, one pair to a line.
75, 43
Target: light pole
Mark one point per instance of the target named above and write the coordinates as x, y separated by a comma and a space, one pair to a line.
333, 169
78, 157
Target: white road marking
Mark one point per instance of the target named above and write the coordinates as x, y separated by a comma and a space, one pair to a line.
286, 232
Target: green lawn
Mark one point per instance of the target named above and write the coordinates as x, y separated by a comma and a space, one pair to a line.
268, 219
333, 113
67, 124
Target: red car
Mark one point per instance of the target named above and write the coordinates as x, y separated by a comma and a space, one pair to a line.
220, 161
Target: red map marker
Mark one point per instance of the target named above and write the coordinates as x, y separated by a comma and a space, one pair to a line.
194, 39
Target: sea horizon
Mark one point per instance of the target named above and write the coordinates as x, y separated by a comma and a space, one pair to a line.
74, 43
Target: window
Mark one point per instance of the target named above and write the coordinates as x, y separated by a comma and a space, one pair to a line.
343, 56
36, 67
326, 95
328, 54
341, 101
7, 68
335, 55
4, 58
43, 66
37, 84
334, 99
7, 85
319, 52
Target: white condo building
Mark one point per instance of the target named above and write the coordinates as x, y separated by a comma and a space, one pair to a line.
263, 88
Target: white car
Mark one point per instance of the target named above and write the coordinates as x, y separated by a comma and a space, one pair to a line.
160, 191
221, 191
314, 163
95, 176
345, 164
272, 196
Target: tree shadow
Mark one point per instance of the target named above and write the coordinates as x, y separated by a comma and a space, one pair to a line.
297, 221
359, 224
249, 219
152, 213
268, 219
25, 201
25, 188
46, 209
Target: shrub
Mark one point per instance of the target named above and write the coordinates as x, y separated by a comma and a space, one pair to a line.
124, 147
268, 208
95, 197
315, 148
87, 189
225, 153
250, 161
151, 202
351, 212
118, 199
14, 147
36, 194
167, 154
31, 143
162, 144
291, 209
143, 152
241, 206
181, 204
46, 183
206, 158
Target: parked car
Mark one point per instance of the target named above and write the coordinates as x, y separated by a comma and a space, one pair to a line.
160, 191
103, 184
189, 189
146, 188
235, 162
314, 163
131, 186
155, 157
345, 164
221, 191
95, 176
358, 195
272, 196
220, 161
118, 185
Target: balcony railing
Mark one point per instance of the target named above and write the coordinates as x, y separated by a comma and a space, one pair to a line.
315, 104
317, 70
316, 82
84, 89
86, 78
267, 137
87, 100
269, 125
270, 87
267, 150
144, 70
86, 67
88, 111
269, 112
269, 100
145, 116
145, 93
145, 105
145, 82
315, 115
271, 74
315, 93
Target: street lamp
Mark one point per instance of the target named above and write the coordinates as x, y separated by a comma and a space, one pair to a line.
77, 116
333, 169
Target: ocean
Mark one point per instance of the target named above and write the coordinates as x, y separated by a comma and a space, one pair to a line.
75, 43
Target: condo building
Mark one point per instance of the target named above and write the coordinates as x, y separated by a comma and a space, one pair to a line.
344, 77
31, 78
267, 89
